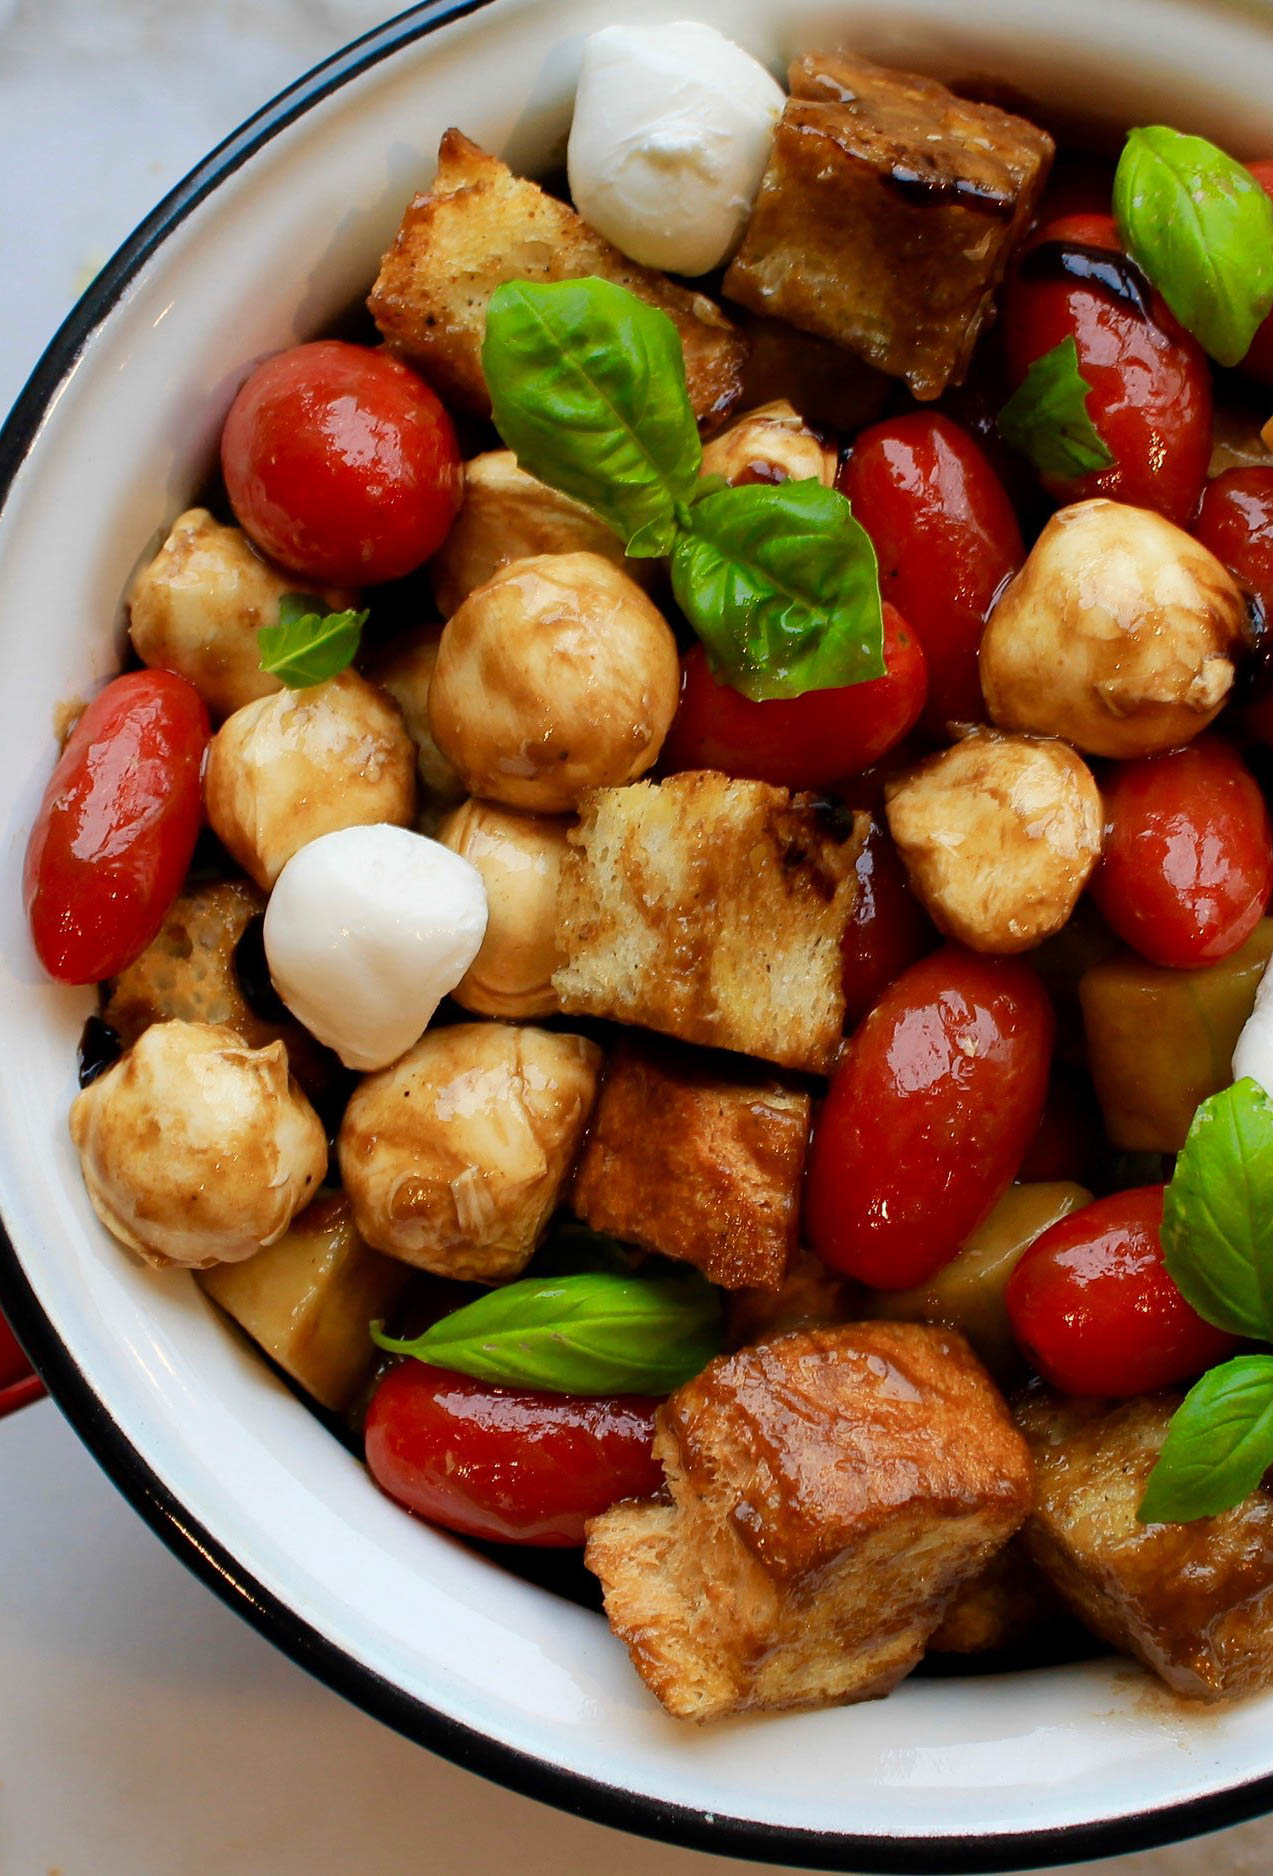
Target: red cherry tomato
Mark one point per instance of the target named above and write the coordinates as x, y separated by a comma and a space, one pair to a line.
798, 742
1259, 358
341, 464
888, 929
112, 842
928, 1116
1094, 1309
14, 1365
1066, 1142
1187, 865
1150, 396
510, 1465
1236, 523
946, 537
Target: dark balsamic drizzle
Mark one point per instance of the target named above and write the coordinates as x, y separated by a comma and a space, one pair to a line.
100, 1048
253, 973
1102, 268
931, 189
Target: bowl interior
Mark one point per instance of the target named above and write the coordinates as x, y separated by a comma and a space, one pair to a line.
403, 1617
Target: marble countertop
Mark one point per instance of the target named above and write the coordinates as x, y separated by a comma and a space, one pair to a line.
144, 1730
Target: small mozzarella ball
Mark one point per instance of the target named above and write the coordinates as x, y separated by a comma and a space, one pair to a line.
302, 763
519, 857
1118, 634
672, 130
507, 515
195, 1149
1253, 1054
556, 676
404, 668
366, 931
770, 444
998, 835
197, 607
455, 1158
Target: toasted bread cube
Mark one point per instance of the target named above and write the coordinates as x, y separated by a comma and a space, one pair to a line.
711, 910
830, 1492
887, 215
1193, 1602
687, 1158
188, 973
998, 1608
308, 1299
478, 226
810, 1296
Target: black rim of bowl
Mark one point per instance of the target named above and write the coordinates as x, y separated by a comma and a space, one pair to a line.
966, 1855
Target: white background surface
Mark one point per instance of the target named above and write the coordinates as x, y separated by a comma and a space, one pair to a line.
144, 1730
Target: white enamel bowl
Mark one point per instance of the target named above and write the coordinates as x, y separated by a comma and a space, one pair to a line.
267, 243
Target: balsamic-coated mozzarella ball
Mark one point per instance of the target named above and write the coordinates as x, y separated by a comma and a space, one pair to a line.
772, 443
998, 835
556, 676
197, 606
1118, 634
456, 1157
508, 515
302, 763
366, 931
405, 669
196, 1149
519, 857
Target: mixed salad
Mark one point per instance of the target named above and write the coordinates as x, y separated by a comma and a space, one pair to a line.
679, 880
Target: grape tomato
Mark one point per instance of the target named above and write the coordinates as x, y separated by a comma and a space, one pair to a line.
113, 840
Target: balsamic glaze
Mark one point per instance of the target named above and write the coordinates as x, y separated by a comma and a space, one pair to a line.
1103, 268
254, 973
930, 189
100, 1048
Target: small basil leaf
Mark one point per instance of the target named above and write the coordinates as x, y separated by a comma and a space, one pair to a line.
597, 1333
1217, 1229
1046, 418
1218, 1447
1201, 227
780, 583
309, 644
587, 385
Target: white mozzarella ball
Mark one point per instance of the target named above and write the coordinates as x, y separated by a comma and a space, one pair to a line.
672, 131
366, 931
1253, 1055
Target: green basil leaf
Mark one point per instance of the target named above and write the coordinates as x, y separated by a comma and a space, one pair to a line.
587, 385
1046, 420
309, 644
1217, 1229
780, 583
1201, 227
598, 1333
1218, 1447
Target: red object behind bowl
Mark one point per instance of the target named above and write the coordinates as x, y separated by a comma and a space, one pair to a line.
18, 1384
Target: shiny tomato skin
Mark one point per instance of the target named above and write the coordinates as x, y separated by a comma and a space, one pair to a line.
928, 1116
1236, 523
112, 842
341, 464
888, 929
1259, 359
947, 539
1187, 864
798, 742
1150, 396
1094, 1309
506, 1464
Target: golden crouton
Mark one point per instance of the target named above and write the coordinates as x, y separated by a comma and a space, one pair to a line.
1193, 1602
887, 215
478, 226
711, 910
686, 1158
830, 1491
188, 973
996, 1609
810, 1296
307, 1300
